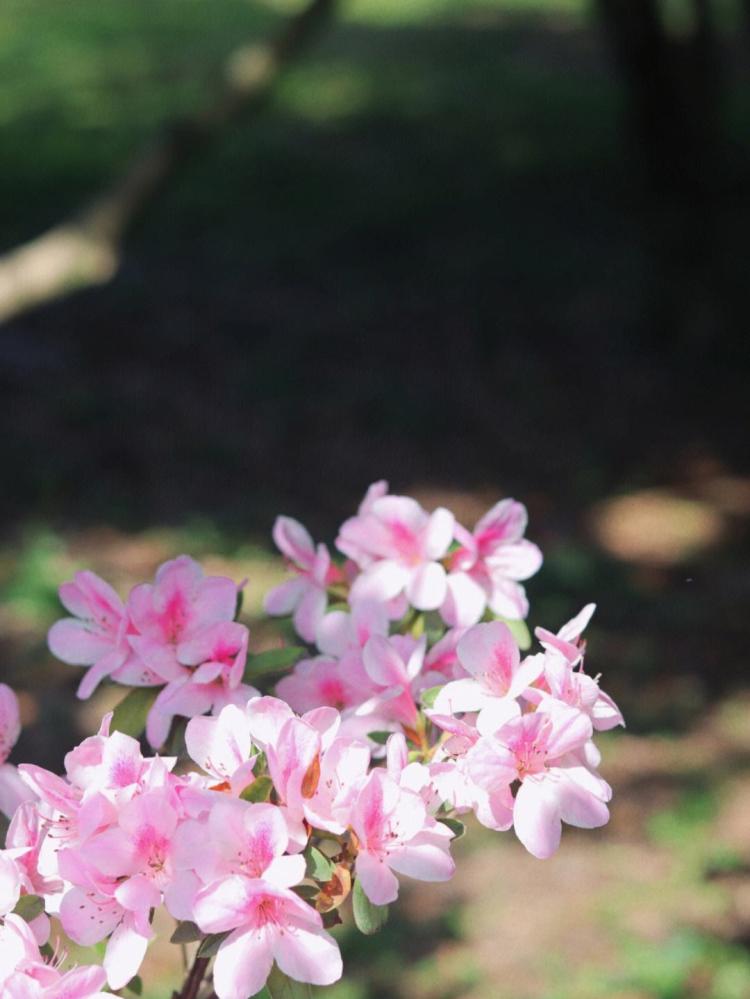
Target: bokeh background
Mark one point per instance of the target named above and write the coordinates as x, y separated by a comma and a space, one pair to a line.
479, 248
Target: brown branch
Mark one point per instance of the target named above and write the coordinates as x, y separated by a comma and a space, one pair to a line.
193, 981
86, 250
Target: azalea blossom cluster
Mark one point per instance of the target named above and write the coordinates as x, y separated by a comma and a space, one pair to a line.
274, 799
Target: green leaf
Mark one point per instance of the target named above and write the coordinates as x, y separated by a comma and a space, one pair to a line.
186, 932
456, 826
238, 605
272, 661
519, 630
259, 790
380, 737
129, 716
281, 987
263, 994
306, 892
429, 696
319, 867
369, 918
4, 826
135, 985
211, 944
28, 907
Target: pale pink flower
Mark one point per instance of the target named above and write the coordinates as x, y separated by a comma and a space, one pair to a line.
564, 677
222, 746
487, 568
306, 595
395, 833
395, 666
97, 634
251, 898
398, 546
24, 974
13, 791
542, 750
489, 654
171, 612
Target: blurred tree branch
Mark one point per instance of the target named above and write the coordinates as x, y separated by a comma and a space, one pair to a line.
674, 87
86, 249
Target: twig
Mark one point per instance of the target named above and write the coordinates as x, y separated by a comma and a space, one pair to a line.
86, 250
193, 981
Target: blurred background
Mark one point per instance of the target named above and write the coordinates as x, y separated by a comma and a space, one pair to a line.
477, 247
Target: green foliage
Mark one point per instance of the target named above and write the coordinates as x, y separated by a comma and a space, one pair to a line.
369, 918
129, 717
186, 932
259, 790
28, 907
319, 867
272, 661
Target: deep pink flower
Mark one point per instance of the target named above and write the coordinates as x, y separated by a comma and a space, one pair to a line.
171, 612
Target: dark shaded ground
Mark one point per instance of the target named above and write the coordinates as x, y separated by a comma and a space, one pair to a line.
432, 260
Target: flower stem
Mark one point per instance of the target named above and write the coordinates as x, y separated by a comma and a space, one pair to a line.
193, 981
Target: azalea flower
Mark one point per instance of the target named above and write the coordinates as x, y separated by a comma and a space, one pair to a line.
488, 566
398, 546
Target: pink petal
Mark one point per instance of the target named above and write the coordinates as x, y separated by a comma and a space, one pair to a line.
426, 857
308, 956
508, 599
536, 817
88, 918
294, 541
138, 894
382, 581
224, 905
221, 744
505, 522
124, 955
309, 612
517, 561
571, 728
72, 642
243, 964
489, 653
282, 599
465, 601
439, 533
575, 627
460, 695
383, 663
378, 881
427, 587
578, 807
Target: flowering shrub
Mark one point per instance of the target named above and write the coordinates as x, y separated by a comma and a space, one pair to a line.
409, 705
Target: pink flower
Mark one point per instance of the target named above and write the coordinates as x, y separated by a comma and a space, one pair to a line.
398, 547
488, 652
542, 750
96, 635
395, 833
170, 613
222, 746
486, 569
323, 681
218, 653
564, 677
394, 665
251, 898
305, 596
13, 791
119, 876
